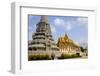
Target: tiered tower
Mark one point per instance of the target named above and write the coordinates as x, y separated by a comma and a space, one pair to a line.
42, 38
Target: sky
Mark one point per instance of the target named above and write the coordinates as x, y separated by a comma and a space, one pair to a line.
76, 27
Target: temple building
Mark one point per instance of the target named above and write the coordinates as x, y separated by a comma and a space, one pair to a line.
42, 42
67, 46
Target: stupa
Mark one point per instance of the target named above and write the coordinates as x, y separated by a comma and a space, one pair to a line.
42, 39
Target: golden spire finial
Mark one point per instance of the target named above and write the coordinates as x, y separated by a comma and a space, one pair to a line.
66, 36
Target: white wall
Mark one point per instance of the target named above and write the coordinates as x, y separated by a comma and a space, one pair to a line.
5, 33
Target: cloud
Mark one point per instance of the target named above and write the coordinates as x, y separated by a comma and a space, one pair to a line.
29, 36
82, 20
82, 40
31, 29
53, 29
59, 22
68, 26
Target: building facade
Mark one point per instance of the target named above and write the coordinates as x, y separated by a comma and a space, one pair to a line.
67, 46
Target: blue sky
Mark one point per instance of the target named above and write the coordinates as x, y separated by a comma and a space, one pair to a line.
75, 27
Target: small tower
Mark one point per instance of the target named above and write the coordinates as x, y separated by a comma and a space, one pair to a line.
44, 18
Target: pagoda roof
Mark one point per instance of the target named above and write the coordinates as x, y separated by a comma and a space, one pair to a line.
65, 40
37, 45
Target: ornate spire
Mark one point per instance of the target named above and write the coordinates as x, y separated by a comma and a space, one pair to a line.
66, 36
44, 18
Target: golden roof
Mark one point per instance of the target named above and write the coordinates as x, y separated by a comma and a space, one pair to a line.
66, 41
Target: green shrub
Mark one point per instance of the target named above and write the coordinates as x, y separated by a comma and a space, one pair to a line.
39, 57
67, 56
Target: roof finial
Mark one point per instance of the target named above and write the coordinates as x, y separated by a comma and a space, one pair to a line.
44, 18
66, 35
